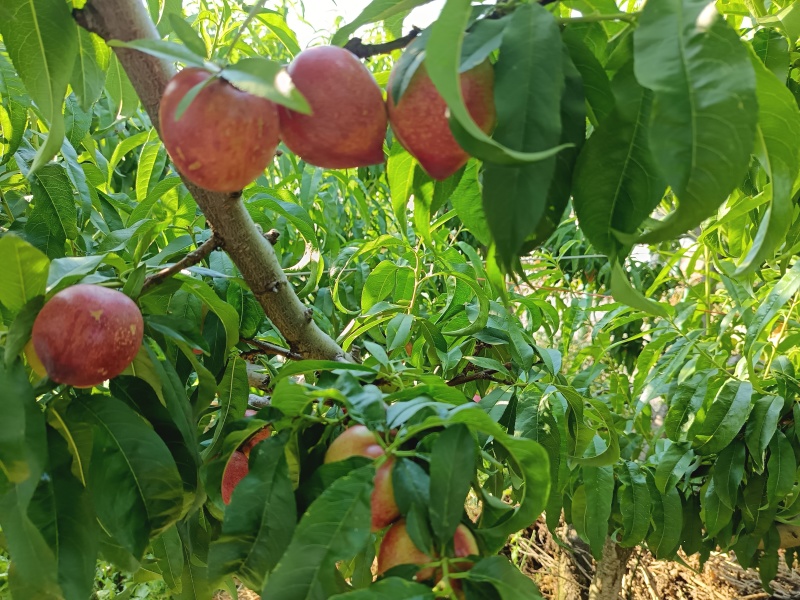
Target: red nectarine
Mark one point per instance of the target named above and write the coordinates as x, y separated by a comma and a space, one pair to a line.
236, 470
86, 334
397, 548
224, 139
354, 441
420, 119
384, 506
347, 124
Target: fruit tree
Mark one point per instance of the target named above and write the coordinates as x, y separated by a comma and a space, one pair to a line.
339, 318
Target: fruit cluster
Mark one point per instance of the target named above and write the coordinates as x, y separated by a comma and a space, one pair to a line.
227, 137
397, 547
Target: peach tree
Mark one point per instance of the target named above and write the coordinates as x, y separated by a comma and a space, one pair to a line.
338, 321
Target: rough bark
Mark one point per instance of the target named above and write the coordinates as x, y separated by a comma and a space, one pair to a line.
607, 581
572, 565
128, 20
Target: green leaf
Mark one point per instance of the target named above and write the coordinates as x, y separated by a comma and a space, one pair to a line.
466, 201
377, 10
54, 202
226, 313
390, 588
634, 504
42, 41
599, 95
530, 466
781, 468
725, 417
529, 83
14, 105
266, 79
715, 514
672, 466
151, 164
71, 269
89, 74
617, 184
23, 457
19, 332
624, 292
76, 121
62, 511
773, 50
451, 473
599, 486
761, 426
335, 527
442, 62
170, 51
505, 577
168, 552
260, 520
703, 121
24, 272
777, 151
573, 130
667, 517
400, 169
130, 459
120, 89
188, 35
684, 404
728, 474
768, 309
233, 392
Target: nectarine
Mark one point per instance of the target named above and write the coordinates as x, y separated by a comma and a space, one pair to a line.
236, 470
358, 440
420, 118
397, 548
347, 124
224, 139
354, 441
86, 334
259, 435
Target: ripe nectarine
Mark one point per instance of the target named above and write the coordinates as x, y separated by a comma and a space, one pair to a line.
347, 124
420, 119
236, 470
224, 139
86, 334
358, 440
33, 359
397, 548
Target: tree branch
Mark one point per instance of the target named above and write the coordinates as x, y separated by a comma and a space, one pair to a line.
191, 259
128, 20
268, 348
487, 374
362, 50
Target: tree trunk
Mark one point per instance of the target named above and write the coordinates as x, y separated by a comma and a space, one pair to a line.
607, 581
574, 565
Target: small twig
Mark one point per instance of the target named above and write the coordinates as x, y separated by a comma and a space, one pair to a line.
269, 348
257, 401
191, 259
487, 374
362, 50
257, 378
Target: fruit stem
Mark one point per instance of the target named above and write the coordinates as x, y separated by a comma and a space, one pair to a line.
620, 16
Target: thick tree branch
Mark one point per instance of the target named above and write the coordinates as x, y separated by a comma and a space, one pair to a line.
128, 20
362, 50
191, 259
